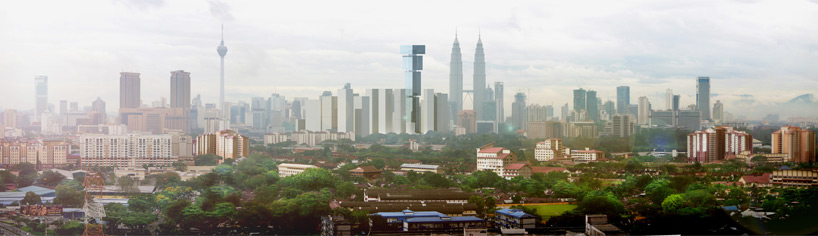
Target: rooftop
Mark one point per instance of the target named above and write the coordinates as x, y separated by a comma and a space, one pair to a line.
516, 213
443, 219
491, 150
418, 166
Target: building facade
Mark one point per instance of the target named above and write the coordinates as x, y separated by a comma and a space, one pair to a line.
549, 149
134, 150
716, 144
797, 143
44, 153
287, 169
494, 159
226, 144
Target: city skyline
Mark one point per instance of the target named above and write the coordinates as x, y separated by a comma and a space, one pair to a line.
551, 69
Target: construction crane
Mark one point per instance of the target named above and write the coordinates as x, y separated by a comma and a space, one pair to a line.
94, 211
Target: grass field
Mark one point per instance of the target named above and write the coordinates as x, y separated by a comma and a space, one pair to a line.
547, 211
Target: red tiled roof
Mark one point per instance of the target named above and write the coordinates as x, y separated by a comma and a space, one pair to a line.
365, 169
761, 179
515, 166
546, 169
491, 150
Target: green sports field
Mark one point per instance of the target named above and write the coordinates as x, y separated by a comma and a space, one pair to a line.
547, 211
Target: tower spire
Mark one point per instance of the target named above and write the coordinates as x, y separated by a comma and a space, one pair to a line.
222, 32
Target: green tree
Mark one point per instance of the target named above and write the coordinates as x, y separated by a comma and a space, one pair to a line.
673, 202
127, 185
206, 160
69, 196
600, 202
31, 198
50, 178
179, 166
142, 203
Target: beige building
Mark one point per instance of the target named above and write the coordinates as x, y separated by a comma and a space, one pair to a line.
794, 178
420, 168
135, 150
797, 143
225, 143
544, 129
154, 120
587, 155
549, 149
45, 153
286, 169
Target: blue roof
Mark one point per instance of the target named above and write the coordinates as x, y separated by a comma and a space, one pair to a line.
516, 213
730, 208
439, 219
413, 214
35, 189
785, 168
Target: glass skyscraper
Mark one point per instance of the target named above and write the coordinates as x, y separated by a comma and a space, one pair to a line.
412, 65
623, 99
703, 96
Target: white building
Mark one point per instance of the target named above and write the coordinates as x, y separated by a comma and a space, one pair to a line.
587, 155
134, 150
287, 169
420, 168
644, 111
307, 137
427, 111
548, 150
494, 158
346, 111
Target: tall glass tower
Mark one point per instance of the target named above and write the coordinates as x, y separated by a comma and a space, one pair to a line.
703, 97
41, 84
412, 65
479, 77
456, 80
623, 99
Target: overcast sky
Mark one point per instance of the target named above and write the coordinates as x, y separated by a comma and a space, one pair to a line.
758, 54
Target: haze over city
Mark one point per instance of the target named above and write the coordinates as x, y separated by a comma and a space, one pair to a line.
758, 54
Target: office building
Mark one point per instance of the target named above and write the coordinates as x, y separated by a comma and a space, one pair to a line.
565, 113
129, 90
346, 110
180, 92
592, 105
134, 150
518, 115
644, 111
479, 84
669, 99
623, 99
621, 125
797, 143
537, 113
715, 144
549, 149
718, 111
579, 99
494, 159
676, 102
468, 120
399, 111
153, 120
226, 144
703, 97
498, 99
412, 66
441, 116
10, 118
427, 114
456, 79
329, 113
362, 115
610, 108
544, 129
41, 87
681, 119
386, 110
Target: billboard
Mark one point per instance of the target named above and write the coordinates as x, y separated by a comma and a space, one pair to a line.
41, 210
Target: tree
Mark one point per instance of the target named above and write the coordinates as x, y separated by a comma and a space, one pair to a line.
127, 185
206, 160
673, 202
142, 203
600, 202
72, 227
50, 178
31, 198
69, 196
480, 202
179, 166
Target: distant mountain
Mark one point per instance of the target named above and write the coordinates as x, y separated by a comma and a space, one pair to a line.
803, 99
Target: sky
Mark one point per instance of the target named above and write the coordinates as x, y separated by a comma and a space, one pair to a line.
758, 54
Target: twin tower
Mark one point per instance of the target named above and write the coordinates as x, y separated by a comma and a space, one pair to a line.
456, 78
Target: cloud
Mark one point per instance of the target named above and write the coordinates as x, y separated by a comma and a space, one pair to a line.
220, 10
142, 4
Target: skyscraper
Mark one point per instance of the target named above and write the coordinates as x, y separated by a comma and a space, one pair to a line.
579, 99
703, 96
644, 111
498, 98
180, 89
623, 99
412, 66
41, 85
479, 77
222, 50
346, 110
129, 90
518, 112
456, 80
676, 102
669, 99
718, 111
592, 105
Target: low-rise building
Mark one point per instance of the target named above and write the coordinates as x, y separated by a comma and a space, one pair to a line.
307, 137
597, 225
517, 169
417, 195
335, 226
794, 178
367, 172
443, 224
287, 169
468, 209
134, 150
514, 219
420, 168
549, 149
587, 155
494, 159
762, 180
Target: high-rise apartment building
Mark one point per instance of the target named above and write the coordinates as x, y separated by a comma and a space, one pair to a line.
479, 84
621, 125
135, 150
456, 80
412, 66
797, 143
41, 87
715, 144
703, 97
129, 90
623, 99
227, 144
180, 92
47, 153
